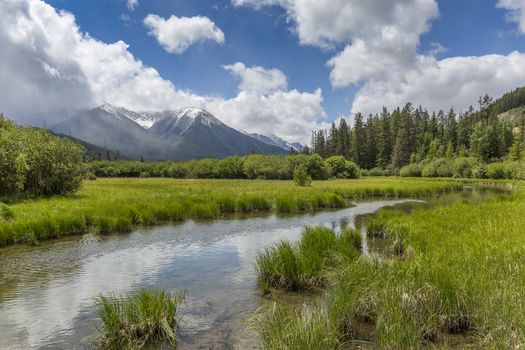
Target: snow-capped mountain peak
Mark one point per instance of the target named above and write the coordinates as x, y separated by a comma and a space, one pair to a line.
144, 119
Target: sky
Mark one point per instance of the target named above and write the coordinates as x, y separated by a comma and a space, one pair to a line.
283, 67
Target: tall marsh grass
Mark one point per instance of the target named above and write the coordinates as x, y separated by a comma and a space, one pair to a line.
117, 205
304, 265
465, 275
147, 317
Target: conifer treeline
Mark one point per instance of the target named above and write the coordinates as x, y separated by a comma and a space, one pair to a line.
411, 135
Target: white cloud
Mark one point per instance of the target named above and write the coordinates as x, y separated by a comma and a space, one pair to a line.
132, 4
382, 54
176, 34
439, 84
327, 22
265, 105
47, 65
257, 79
516, 13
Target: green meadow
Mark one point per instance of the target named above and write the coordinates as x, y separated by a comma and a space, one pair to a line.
452, 277
117, 205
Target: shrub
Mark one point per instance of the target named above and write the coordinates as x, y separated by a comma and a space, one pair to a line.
376, 172
301, 177
438, 168
230, 168
463, 166
412, 170
36, 162
479, 170
498, 171
339, 167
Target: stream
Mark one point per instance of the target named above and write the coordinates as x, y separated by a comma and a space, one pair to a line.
47, 291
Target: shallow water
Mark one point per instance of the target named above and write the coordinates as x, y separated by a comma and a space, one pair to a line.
47, 292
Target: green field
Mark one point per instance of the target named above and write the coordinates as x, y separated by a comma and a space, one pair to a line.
454, 277
117, 205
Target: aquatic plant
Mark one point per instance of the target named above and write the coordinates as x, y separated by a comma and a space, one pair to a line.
304, 265
146, 317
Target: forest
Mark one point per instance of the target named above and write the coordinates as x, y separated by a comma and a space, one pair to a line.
391, 140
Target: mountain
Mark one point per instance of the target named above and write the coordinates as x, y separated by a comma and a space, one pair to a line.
190, 133
277, 141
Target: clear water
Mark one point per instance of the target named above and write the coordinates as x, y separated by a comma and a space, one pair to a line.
47, 291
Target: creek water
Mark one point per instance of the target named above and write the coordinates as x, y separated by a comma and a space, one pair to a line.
47, 292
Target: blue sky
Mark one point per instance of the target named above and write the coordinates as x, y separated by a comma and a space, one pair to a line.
276, 34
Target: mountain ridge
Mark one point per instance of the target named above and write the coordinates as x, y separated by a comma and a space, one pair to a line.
189, 133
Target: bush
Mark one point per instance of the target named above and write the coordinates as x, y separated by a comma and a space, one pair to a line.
376, 172
438, 168
412, 170
36, 162
230, 168
301, 177
479, 170
463, 166
339, 167
498, 171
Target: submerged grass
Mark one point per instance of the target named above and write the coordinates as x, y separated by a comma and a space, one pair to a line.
116, 205
457, 270
148, 317
304, 265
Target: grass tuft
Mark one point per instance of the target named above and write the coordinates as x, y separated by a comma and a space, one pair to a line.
144, 318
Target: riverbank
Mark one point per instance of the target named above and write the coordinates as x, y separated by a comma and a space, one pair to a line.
118, 205
452, 277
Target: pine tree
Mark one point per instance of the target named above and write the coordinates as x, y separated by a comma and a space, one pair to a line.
357, 142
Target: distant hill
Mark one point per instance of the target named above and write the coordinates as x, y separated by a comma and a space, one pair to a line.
190, 133
96, 152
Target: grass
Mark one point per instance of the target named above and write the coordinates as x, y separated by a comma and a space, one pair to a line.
288, 329
304, 265
148, 317
117, 205
459, 274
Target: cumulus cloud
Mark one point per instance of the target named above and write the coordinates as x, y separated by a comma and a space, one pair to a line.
47, 65
381, 53
257, 79
265, 105
516, 13
439, 84
132, 4
176, 34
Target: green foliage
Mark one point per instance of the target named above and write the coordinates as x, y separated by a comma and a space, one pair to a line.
411, 170
301, 177
463, 167
230, 168
35, 162
148, 317
414, 135
479, 170
341, 168
438, 168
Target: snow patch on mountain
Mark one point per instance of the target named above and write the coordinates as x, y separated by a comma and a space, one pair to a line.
275, 140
